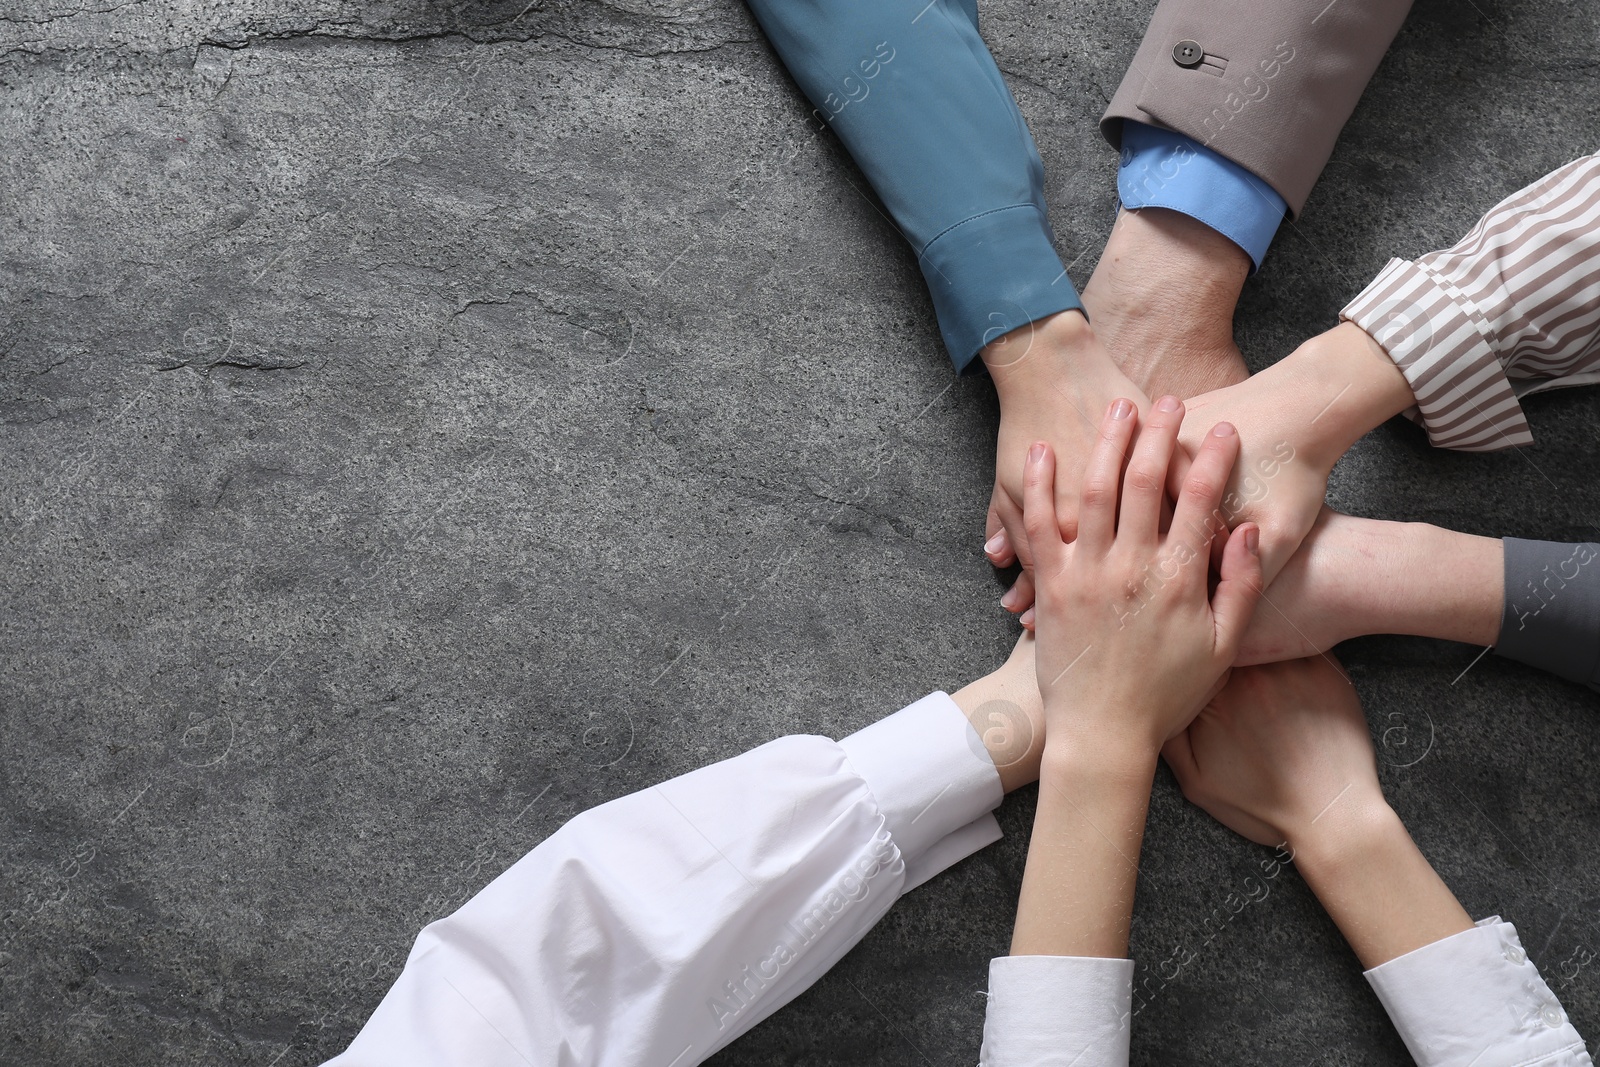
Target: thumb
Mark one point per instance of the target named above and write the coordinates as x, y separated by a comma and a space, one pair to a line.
1237, 593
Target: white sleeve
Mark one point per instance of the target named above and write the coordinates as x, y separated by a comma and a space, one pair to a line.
1475, 998
1057, 1011
657, 928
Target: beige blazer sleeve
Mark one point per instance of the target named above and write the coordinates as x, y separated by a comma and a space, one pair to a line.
1266, 83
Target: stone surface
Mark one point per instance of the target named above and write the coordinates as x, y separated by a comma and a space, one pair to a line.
423, 423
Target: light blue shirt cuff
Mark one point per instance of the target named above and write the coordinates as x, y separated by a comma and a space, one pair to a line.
1165, 169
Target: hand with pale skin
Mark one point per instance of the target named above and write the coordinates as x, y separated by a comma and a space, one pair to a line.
1295, 419
1130, 640
1268, 753
1054, 380
1124, 605
1283, 756
1352, 577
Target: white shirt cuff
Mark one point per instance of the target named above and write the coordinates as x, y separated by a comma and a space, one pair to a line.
1052, 1011
1475, 998
934, 782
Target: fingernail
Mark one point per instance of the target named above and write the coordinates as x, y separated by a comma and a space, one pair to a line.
1252, 541
992, 546
1222, 429
1167, 403
1010, 599
1027, 619
1121, 409
1036, 453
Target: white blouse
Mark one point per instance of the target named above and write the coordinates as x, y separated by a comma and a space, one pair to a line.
656, 929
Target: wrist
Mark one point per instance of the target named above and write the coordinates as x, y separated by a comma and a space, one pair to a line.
1413, 578
1112, 758
1343, 384
1331, 844
1373, 882
1043, 346
1162, 299
1452, 587
1370, 570
1005, 712
1159, 256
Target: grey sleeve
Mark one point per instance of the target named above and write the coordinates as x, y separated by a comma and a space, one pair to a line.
1551, 618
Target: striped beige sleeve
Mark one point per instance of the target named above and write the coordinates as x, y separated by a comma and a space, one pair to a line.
1512, 308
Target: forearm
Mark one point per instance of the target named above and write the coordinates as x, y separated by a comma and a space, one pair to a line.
1162, 299
1077, 888
1451, 590
1373, 882
1408, 578
1458, 992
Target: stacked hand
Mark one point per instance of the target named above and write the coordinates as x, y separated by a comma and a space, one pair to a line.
1295, 420
1054, 381
1133, 654
1282, 476
1270, 753
1130, 639
1282, 756
1353, 577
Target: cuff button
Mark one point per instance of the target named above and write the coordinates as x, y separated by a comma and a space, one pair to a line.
1552, 1016
1187, 54
1515, 955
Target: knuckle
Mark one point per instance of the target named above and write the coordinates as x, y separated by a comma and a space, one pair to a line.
1097, 496
1202, 484
1144, 479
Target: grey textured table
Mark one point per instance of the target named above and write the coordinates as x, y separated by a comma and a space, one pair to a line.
423, 423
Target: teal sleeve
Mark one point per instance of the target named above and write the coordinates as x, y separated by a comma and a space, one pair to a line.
911, 90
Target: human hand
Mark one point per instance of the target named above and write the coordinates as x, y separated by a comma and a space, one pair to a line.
1054, 380
1271, 753
1282, 755
1129, 640
1280, 480
1162, 300
1295, 420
